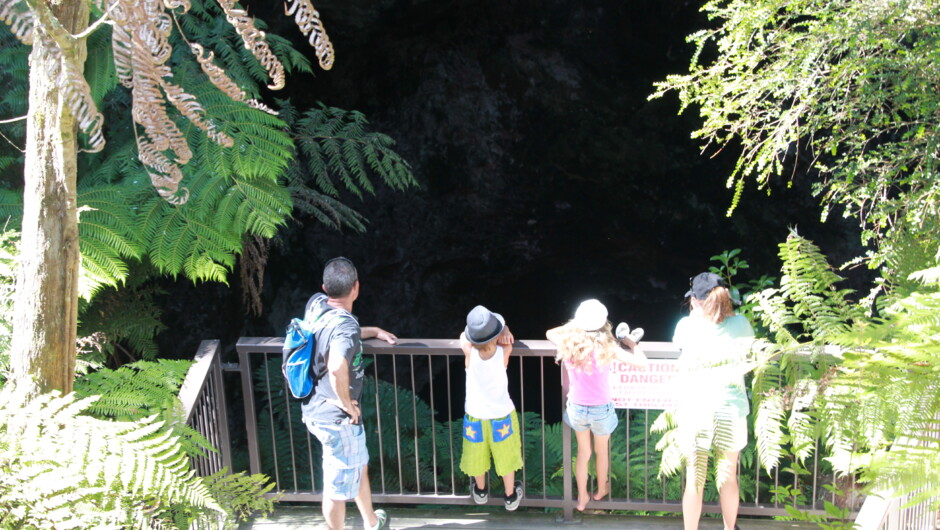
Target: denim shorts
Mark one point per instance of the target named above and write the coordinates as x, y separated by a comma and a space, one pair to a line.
344, 456
601, 419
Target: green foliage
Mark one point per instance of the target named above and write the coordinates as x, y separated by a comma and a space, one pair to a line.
64, 469
831, 91
150, 390
122, 322
240, 495
335, 145
245, 191
8, 252
865, 385
235, 192
730, 264
835, 518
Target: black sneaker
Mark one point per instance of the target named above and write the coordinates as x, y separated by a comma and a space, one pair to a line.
479, 496
512, 501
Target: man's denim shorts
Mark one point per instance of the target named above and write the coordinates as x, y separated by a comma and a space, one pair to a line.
601, 419
344, 455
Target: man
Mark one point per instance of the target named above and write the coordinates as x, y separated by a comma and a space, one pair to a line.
332, 413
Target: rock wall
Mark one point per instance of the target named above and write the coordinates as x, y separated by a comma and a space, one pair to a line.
546, 175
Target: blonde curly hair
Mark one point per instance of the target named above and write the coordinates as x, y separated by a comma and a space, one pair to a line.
577, 346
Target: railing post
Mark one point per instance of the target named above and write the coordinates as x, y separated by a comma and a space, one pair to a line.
567, 497
222, 416
251, 424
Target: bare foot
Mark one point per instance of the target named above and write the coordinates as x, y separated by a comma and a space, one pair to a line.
582, 501
602, 492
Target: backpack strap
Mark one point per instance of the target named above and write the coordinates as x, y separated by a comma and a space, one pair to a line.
320, 323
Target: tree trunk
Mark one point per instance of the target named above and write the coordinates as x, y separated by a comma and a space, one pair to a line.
43, 346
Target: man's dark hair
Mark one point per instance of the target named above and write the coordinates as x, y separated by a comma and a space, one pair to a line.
339, 276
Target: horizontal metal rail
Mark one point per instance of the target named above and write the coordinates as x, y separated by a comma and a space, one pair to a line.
412, 402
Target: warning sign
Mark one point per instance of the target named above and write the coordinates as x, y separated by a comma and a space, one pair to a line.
645, 388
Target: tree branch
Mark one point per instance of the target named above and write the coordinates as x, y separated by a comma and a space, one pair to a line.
105, 19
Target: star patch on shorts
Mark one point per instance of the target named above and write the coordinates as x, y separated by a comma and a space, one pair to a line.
472, 430
502, 428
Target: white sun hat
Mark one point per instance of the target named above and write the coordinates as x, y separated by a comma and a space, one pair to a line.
591, 315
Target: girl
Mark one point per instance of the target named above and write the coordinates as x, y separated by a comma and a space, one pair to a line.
714, 342
587, 349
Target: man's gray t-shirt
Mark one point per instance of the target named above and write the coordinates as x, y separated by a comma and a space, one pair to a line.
341, 333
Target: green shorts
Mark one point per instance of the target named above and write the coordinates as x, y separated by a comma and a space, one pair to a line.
479, 443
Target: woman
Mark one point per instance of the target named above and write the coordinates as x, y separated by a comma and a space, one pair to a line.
712, 415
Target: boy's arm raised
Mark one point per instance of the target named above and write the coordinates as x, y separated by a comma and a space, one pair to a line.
466, 346
505, 340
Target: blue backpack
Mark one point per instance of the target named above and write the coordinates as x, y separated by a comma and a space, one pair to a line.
299, 351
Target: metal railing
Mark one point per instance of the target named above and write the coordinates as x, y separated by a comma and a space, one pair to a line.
878, 513
412, 403
203, 398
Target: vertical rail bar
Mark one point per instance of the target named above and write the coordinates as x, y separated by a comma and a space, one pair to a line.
225, 442
757, 482
522, 420
311, 469
267, 387
414, 412
646, 455
542, 378
290, 435
568, 502
450, 430
251, 424
401, 485
627, 415
378, 418
815, 473
433, 425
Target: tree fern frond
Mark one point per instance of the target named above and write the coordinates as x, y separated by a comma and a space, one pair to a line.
327, 210
99, 66
11, 208
336, 151
255, 206
254, 41
768, 429
19, 18
308, 20
50, 451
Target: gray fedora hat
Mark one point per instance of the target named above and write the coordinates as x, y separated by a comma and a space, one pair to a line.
483, 325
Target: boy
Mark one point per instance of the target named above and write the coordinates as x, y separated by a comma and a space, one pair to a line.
490, 425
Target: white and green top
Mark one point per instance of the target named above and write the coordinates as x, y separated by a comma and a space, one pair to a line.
713, 360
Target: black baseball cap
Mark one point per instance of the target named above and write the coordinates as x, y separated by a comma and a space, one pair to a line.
703, 283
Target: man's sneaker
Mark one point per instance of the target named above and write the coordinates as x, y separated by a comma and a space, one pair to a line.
479, 496
623, 331
512, 501
383, 517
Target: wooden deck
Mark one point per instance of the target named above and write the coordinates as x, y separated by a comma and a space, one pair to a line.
468, 518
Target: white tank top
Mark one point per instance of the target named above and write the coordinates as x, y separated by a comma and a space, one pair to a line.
488, 387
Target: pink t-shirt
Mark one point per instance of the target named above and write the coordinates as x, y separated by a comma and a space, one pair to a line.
589, 388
